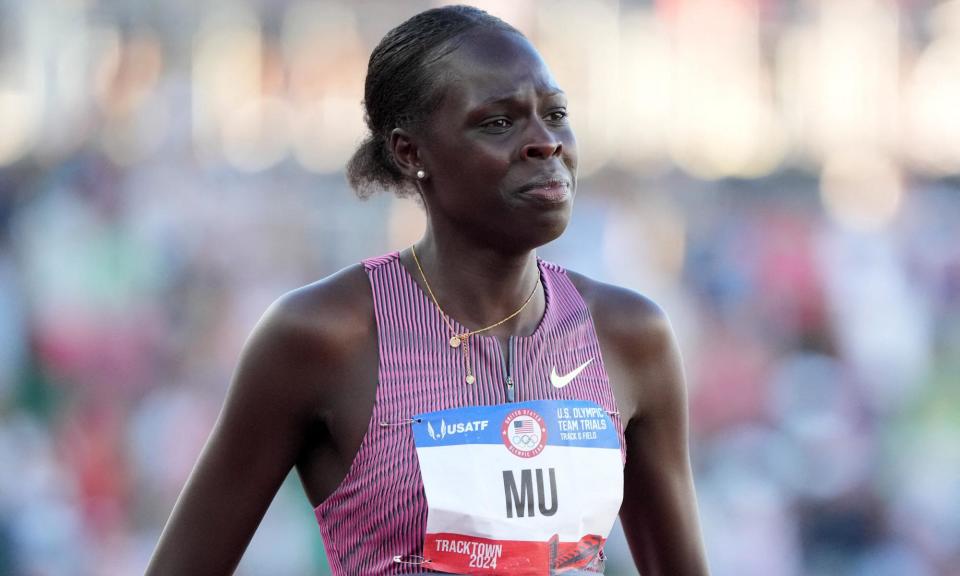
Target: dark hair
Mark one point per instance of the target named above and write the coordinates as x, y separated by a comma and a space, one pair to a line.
402, 88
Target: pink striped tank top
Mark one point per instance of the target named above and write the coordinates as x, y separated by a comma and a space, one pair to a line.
379, 510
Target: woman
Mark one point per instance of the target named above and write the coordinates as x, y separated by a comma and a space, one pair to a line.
460, 406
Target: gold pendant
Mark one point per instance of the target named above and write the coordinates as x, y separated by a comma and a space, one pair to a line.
455, 342
470, 379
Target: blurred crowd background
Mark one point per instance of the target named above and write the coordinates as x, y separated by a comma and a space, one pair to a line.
783, 177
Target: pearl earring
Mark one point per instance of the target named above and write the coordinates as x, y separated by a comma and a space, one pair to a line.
421, 174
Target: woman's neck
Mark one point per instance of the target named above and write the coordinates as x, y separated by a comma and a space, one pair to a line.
479, 285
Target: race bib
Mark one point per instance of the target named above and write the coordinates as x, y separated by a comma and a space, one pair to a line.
529, 488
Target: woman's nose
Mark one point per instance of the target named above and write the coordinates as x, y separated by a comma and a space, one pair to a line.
542, 149
542, 142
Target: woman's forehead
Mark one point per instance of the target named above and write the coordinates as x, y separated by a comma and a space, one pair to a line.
492, 65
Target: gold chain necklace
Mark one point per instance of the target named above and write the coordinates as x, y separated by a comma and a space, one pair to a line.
459, 340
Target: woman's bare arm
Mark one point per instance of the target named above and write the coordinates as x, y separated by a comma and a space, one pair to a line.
659, 511
270, 406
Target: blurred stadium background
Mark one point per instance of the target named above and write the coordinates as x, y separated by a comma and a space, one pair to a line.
782, 176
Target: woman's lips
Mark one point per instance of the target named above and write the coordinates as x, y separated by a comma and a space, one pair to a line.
548, 191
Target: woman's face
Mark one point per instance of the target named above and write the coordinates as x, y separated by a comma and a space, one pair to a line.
499, 149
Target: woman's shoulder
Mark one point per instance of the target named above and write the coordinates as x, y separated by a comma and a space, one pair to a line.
334, 312
619, 311
640, 350
305, 347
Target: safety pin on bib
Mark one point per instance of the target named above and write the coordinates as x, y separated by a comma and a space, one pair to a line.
404, 422
411, 559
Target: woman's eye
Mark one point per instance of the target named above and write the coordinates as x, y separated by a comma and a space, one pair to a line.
557, 116
497, 124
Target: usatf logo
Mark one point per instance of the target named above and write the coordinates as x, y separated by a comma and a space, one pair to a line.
524, 433
455, 428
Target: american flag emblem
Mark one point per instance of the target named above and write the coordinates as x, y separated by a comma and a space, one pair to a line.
523, 426
524, 433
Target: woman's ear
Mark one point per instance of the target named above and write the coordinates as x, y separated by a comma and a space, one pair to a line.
406, 154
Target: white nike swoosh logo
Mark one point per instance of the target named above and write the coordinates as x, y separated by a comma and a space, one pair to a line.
561, 381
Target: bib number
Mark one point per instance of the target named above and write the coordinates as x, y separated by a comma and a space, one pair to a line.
530, 488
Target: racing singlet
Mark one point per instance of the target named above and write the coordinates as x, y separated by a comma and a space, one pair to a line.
517, 473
